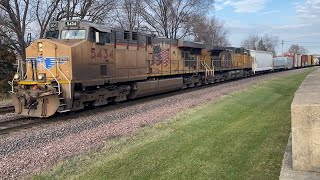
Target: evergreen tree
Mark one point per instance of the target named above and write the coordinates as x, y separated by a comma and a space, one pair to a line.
261, 46
7, 68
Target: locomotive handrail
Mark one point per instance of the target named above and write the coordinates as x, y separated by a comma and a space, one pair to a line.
12, 88
53, 77
66, 79
209, 71
11, 82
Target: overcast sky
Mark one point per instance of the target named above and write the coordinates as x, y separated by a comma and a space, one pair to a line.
295, 21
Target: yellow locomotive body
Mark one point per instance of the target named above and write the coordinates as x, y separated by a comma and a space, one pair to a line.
231, 62
81, 64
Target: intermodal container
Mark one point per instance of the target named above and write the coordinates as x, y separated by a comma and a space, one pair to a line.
290, 63
279, 63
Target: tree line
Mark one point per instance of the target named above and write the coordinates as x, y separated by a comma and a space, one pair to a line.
269, 43
169, 18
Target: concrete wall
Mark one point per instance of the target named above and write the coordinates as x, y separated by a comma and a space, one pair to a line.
305, 121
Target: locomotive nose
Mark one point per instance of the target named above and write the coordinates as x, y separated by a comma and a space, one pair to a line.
36, 106
31, 102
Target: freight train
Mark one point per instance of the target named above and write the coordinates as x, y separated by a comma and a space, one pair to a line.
81, 64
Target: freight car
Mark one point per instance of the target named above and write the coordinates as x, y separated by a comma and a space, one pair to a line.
282, 63
262, 61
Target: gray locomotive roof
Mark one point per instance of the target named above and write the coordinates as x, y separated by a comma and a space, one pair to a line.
99, 27
198, 45
85, 24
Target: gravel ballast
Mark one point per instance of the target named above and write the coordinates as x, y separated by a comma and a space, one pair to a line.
38, 148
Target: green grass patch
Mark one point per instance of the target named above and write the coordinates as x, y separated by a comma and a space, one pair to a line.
242, 136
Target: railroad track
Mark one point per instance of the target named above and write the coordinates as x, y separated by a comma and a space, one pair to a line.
17, 124
23, 123
6, 109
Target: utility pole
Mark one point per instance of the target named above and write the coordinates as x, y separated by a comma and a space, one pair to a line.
282, 42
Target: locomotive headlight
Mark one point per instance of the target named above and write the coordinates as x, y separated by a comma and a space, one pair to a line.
42, 77
16, 76
40, 47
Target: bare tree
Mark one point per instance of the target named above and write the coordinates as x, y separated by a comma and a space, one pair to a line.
209, 30
295, 48
44, 11
269, 42
92, 10
15, 17
128, 14
169, 17
251, 42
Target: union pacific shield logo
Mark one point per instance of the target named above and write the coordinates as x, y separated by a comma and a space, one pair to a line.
49, 62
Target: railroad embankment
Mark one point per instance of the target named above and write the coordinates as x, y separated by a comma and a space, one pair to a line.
241, 136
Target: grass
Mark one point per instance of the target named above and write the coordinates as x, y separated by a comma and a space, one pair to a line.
242, 136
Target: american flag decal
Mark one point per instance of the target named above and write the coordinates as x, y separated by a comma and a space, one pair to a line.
160, 56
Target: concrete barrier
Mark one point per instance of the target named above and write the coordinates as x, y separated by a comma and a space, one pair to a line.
305, 121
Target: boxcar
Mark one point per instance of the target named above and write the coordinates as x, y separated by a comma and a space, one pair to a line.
299, 60
304, 60
309, 60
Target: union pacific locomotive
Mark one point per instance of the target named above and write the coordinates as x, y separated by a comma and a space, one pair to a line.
83, 64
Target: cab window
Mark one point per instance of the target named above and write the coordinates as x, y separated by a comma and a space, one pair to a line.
149, 40
102, 38
127, 35
119, 35
52, 34
73, 34
134, 36
108, 37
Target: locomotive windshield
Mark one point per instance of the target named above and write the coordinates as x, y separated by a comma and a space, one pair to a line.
73, 34
52, 34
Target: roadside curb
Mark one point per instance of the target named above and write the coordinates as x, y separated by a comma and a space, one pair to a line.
287, 172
